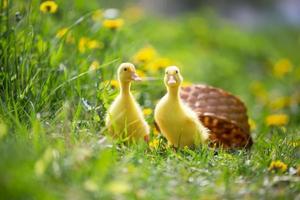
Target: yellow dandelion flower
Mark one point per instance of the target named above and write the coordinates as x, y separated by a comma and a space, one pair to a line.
94, 44
252, 124
141, 73
278, 166
147, 111
277, 120
113, 24
159, 64
94, 66
82, 44
282, 67
48, 7
86, 43
62, 32
145, 55
65, 31
154, 144
97, 16
112, 83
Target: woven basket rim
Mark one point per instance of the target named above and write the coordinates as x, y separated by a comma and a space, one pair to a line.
220, 90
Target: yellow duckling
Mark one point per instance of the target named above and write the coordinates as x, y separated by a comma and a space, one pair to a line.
124, 118
177, 122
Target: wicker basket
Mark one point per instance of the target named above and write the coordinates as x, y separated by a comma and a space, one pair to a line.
222, 113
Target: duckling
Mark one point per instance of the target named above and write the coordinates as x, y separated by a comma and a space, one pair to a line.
177, 122
124, 118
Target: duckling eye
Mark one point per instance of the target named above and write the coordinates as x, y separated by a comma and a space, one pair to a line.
125, 69
176, 71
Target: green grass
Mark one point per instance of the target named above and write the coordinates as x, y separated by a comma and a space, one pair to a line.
52, 107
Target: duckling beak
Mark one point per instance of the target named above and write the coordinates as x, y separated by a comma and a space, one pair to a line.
171, 80
135, 77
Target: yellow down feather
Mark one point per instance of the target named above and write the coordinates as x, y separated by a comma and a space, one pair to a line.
177, 122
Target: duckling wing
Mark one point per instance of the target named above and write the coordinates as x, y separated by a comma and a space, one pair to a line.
192, 117
142, 117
